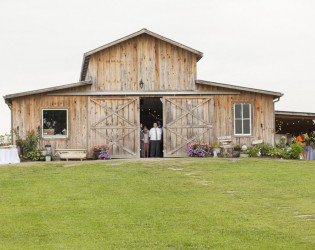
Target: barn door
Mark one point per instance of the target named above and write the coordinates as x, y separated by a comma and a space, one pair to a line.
186, 120
115, 121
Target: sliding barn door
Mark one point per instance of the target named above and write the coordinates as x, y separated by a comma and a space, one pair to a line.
186, 120
115, 121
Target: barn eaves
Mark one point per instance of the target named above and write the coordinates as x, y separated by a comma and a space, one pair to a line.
8, 98
240, 88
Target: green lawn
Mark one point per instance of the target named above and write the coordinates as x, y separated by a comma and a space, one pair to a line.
166, 203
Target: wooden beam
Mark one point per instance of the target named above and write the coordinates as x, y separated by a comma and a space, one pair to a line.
292, 114
150, 93
39, 91
223, 85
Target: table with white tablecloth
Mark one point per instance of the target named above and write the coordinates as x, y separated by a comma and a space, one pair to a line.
310, 153
9, 155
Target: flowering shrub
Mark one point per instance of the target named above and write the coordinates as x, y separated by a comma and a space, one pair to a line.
236, 154
104, 154
30, 143
101, 152
100, 147
197, 149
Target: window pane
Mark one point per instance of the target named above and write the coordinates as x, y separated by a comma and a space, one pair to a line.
246, 126
238, 110
246, 110
55, 122
238, 126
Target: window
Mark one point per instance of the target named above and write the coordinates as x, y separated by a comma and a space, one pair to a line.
55, 123
242, 119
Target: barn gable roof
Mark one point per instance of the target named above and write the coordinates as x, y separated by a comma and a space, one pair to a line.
45, 90
86, 56
228, 86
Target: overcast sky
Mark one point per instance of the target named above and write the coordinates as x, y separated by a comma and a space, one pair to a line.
267, 44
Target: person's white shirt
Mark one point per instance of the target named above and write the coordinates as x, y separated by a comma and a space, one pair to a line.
153, 134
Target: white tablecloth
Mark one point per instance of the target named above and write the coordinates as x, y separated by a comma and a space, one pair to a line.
8, 156
310, 153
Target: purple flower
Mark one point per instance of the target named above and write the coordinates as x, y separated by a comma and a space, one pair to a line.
104, 154
197, 149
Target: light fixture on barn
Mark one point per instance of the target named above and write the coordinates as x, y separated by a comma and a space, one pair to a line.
141, 84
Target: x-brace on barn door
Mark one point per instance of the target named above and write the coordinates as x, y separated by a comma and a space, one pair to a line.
186, 120
115, 121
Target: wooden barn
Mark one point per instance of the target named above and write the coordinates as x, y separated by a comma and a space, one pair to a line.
140, 78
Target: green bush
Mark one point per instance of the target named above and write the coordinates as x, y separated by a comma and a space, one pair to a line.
277, 152
295, 151
253, 152
265, 149
35, 155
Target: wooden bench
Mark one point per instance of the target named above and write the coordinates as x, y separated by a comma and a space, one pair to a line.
74, 154
226, 142
256, 142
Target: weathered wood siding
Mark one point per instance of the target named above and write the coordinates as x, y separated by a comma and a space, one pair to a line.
27, 115
262, 114
217, 111
160, 65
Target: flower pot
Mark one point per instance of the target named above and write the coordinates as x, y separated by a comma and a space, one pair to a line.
217, 150
48, 149
44, 152
244, 155
49, 131
48, 158
96, 154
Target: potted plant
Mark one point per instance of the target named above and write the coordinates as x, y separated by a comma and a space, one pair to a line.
216, 148
237, 148
48, 149
48, 157
244, 152
97, 149
236, 154
44, 152
104, 154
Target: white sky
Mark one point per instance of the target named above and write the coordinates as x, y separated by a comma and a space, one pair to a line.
267, 44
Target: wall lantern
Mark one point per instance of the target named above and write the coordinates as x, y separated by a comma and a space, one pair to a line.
141, 84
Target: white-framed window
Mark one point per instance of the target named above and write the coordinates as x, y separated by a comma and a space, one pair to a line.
242, 119
55, 123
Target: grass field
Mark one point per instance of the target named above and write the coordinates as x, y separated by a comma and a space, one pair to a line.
165, 203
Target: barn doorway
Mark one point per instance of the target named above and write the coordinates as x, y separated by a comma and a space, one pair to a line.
151, 110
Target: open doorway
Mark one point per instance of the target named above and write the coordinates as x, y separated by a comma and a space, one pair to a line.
151, 110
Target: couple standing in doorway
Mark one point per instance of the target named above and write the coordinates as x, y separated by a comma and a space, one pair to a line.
151, 140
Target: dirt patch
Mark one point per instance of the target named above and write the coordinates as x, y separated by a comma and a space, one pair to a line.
304, 215
176, 169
